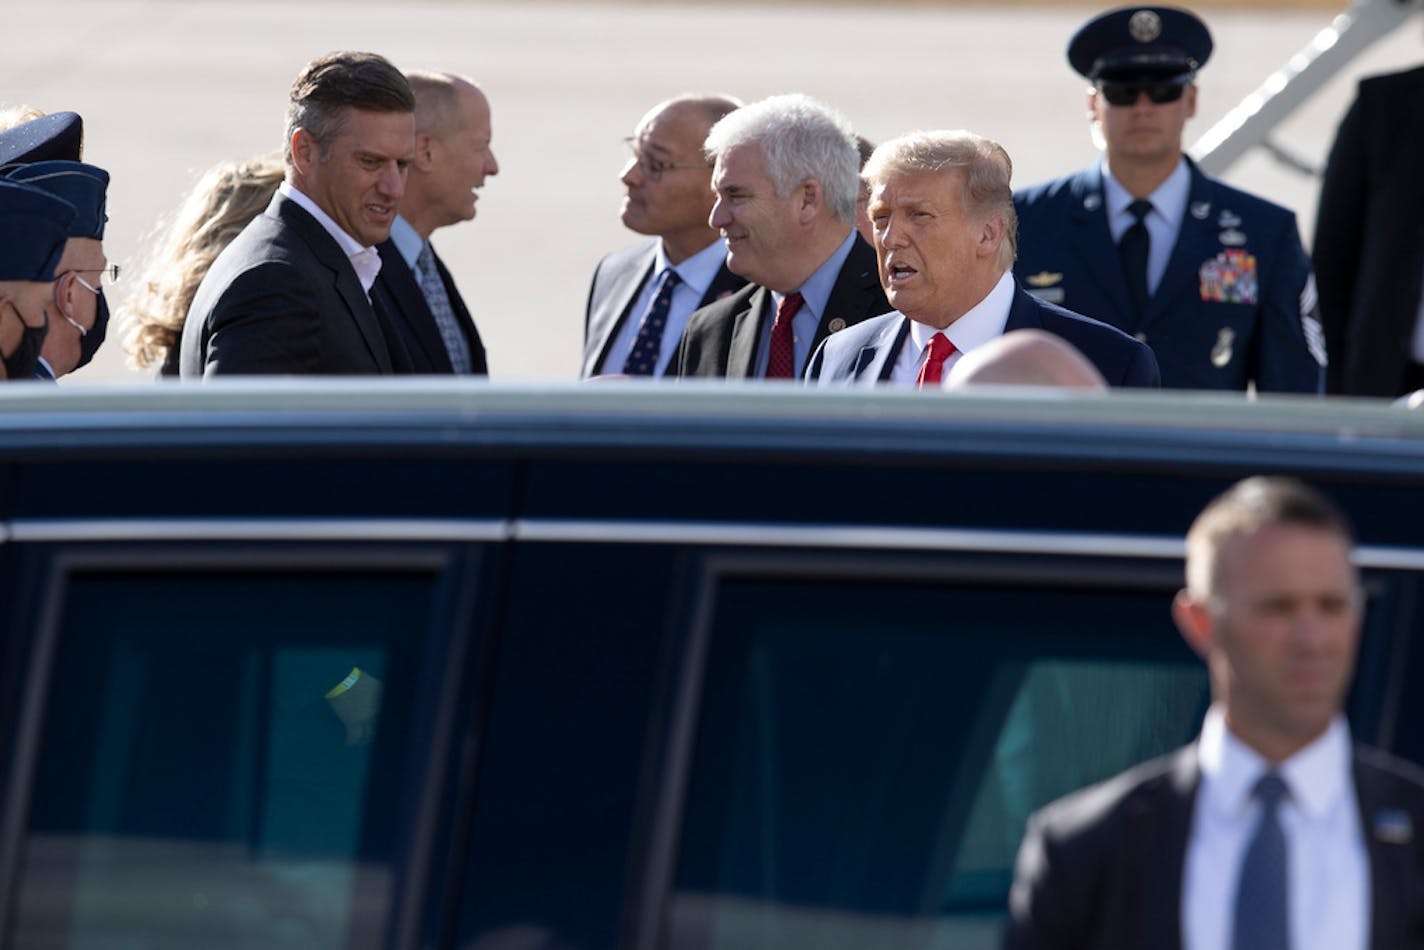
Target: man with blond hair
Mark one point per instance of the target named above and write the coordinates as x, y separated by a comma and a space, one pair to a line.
944, 225
785, 178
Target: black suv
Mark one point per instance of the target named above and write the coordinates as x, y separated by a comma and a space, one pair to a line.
615, 666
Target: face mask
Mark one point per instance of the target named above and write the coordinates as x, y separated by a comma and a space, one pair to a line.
89, 344
21, 363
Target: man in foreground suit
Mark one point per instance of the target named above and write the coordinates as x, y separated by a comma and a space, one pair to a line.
786, 179
669, 197
1273, 830
291, 293
943, 216
1369, 247
452, 159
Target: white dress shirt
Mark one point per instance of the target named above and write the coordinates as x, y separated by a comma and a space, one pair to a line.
982, 323
696, 274
1328, 876
1169, 205
366, 261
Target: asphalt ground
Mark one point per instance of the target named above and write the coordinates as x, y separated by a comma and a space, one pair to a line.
169, 87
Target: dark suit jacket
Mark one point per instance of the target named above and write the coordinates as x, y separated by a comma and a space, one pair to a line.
1369, 237
400, 297
283, 298
867, 354
617, 281
1266, 330
1103, 867
722, 338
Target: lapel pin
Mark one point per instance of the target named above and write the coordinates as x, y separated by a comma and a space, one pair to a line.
1093, 202
836, 325
1393, 826
1232, 237
1201, 209
1044, 279
1229, 219
1221, 353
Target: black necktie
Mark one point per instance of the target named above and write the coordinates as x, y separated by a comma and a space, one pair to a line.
1133, 249
1262, 919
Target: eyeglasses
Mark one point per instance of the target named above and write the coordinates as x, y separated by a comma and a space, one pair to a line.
107, 274
655, 168
1159, 91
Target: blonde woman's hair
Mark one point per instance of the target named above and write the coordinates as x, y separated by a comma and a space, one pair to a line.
221, 204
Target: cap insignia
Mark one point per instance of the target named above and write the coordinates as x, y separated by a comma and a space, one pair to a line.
1145, 26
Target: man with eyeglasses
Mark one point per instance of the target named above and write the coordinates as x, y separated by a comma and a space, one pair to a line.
642, 295
1215, 280
78, 295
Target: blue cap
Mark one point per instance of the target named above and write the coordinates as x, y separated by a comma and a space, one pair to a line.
56, 136
84, 186
34, 225
1140, 41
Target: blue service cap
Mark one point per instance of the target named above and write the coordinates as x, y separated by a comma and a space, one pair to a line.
34, 225
1140, 41
84, 186
59, 135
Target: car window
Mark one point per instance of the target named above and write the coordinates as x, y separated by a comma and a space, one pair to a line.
867, 752
221, 760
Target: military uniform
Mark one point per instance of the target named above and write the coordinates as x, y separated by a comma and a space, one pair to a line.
1236, 303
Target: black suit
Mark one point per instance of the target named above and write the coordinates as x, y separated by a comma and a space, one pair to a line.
1103, 867
868, 353
722, 339
283, 298
617, 281
401, 298
1369, 237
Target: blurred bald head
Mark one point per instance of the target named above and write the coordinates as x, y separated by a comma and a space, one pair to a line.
1026, 358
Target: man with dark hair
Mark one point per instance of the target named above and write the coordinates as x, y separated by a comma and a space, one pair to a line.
452, 159
291, 293
1215, 280
1274, 829
642, 295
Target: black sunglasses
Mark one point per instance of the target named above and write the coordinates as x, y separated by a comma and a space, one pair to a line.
1159, 91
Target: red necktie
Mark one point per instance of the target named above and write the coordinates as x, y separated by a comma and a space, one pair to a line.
781, 360
933, 371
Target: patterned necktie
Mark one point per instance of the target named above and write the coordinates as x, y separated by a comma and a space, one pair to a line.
1262, 899
940, 349
1133, 251
781, 359
643, 358
433, 289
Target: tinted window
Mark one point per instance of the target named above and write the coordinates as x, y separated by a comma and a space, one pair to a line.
867, 753
221, 760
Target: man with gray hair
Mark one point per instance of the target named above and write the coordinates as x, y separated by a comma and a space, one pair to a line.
944, 225
291, 293
453, 157
785, 178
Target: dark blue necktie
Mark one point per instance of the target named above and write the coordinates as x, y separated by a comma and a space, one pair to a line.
1133, 250
643, 358
1262, 895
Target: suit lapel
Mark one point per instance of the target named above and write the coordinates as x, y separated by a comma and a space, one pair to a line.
1092, 242
478, 364
614, 309
1388, 833
348, 287
746, 335
408, 305
724, 284
852, 296
877, 358
1159, 839
1196, 241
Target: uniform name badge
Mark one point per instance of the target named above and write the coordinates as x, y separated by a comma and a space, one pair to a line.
1230, 277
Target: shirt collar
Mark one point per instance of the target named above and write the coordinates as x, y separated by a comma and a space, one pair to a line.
697, 271
365, 261
1318, 776
816, 290
407, 242
1169, 200
982, 323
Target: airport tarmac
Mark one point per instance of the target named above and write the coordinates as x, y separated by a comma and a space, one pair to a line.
169, 87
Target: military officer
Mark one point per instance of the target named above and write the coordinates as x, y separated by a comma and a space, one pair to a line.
1215, 280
